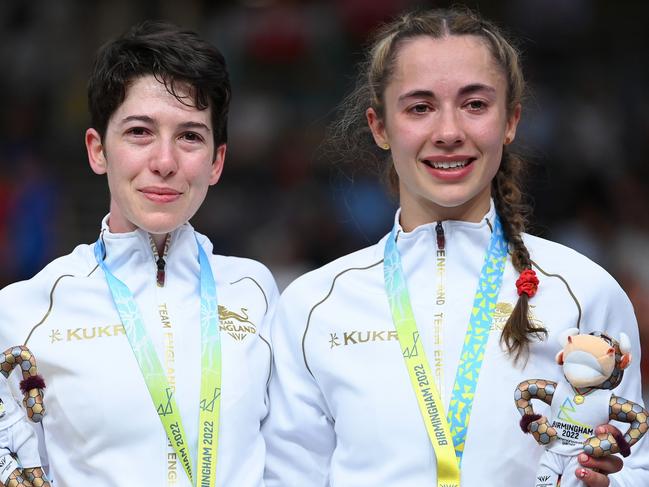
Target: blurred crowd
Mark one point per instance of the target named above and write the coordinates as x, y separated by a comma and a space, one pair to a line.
282, 200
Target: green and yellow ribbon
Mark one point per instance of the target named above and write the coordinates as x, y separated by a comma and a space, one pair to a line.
154, 377
447, 435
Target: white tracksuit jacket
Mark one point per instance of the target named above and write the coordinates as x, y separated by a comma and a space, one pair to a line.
101, 427
343, 412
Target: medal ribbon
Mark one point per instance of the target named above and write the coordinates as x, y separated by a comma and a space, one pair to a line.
443, 436
155, 378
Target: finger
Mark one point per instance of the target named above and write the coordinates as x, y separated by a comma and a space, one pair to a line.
607, 465
591, 478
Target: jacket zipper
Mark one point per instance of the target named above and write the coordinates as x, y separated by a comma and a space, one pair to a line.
160, 273
160, 261
441, 241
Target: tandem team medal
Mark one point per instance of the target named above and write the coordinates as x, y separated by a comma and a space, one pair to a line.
154, 376
447, 435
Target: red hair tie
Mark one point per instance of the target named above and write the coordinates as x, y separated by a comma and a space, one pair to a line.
527, 283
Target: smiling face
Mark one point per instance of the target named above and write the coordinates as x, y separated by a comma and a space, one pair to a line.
445, 120
159, 157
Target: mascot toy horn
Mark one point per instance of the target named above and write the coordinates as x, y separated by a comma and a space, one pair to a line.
593, 365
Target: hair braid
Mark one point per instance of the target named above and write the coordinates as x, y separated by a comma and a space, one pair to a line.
352, 139
513, 211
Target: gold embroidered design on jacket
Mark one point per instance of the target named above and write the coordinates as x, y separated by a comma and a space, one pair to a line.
237, 325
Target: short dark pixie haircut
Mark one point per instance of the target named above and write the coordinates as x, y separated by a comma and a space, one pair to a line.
172, 56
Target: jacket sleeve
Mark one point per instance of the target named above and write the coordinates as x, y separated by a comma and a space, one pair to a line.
299, 430
612, 312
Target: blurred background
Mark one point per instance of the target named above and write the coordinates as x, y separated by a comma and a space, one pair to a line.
585, 128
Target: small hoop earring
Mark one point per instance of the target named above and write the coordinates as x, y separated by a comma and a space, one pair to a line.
385, 146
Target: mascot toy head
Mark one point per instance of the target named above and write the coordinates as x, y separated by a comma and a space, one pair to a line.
595, 360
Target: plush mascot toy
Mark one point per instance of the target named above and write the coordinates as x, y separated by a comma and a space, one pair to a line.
593, 365
20, 464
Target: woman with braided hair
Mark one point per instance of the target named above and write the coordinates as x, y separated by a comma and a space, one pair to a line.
456, 292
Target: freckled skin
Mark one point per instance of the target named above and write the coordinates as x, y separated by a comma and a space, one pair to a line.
155, 143
447, 97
